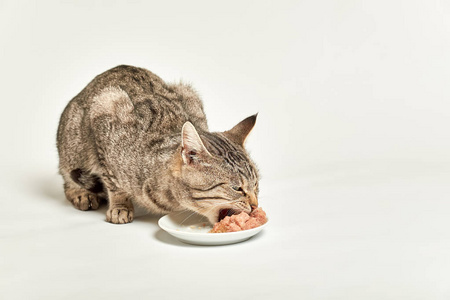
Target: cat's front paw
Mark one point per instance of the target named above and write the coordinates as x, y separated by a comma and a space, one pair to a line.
119, 215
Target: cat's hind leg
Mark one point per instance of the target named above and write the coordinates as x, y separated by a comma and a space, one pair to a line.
115, 131
84, 190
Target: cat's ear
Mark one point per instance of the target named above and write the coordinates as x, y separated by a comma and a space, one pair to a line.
192, 148
239, 133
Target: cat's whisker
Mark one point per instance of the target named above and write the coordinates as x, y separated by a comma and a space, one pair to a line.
192, 213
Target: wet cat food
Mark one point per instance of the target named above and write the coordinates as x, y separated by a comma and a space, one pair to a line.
242, 221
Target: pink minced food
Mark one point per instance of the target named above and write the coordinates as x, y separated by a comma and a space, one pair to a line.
242, 221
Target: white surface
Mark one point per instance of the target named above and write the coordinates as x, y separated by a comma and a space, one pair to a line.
343, 232
352, 140
194, 229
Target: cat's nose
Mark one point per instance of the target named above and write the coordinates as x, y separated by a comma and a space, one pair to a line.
253, 200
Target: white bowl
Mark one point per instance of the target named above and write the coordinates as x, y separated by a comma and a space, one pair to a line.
193, 228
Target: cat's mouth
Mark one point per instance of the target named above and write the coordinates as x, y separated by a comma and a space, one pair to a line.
225, 212
222, 212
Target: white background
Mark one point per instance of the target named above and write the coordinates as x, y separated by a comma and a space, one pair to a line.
352, 141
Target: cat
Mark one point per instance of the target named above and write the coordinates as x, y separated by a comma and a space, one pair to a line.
128, 137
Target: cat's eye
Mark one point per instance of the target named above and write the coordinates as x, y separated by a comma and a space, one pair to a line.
238, 189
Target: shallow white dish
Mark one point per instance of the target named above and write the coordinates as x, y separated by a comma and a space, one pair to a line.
193, 228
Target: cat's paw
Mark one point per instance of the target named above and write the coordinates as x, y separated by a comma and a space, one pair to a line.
82, 199
120, 215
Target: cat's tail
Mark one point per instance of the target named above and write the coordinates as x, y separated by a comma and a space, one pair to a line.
88, 181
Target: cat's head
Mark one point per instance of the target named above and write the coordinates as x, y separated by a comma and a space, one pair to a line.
219, 176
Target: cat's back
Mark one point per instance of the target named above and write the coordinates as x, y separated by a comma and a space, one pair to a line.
151, 99
135, 82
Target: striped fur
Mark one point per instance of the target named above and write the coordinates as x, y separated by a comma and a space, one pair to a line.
130, 138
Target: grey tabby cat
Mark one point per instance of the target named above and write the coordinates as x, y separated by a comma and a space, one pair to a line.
129, 137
